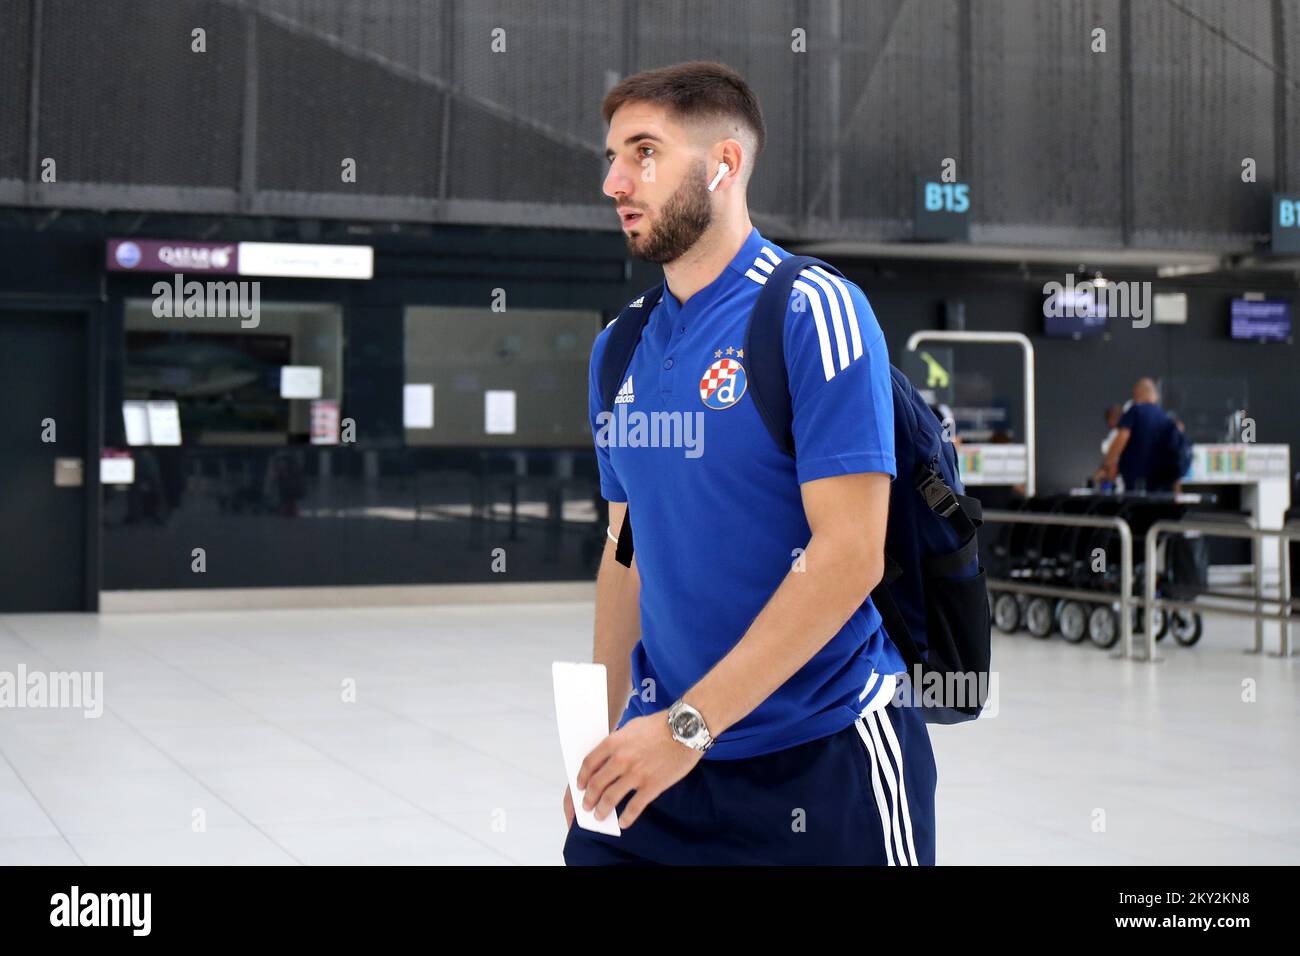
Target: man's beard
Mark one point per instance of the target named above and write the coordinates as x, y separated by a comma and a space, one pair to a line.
681, 222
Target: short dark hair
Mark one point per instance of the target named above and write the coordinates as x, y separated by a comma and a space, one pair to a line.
701, 89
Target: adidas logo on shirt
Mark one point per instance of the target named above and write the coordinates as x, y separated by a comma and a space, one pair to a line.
640, 301
625, 395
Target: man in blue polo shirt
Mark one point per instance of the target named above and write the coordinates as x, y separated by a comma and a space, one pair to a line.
751, 681
1142, 452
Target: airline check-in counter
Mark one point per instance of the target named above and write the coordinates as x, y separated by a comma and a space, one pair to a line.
1260, 473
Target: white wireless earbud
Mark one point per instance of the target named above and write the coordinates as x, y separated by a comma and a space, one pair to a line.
723, 169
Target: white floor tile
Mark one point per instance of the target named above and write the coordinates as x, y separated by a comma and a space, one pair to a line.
204, 747
449, 753
100, 745
21, 815
531, 836
217, 846
37, 851
302, 792
414, 840
125, 802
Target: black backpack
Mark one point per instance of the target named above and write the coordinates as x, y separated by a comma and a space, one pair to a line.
1178, 453
933, 600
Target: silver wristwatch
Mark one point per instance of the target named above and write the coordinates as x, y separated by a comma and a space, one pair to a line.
687, 725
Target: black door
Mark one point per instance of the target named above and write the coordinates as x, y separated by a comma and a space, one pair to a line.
43, 523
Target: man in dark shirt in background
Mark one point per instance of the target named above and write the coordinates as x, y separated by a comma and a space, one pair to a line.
1142, 450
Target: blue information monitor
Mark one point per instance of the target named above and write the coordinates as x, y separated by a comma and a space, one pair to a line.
942, 209
1075, 313
1261, 320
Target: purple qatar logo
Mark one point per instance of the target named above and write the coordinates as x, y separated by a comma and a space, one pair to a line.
154, 255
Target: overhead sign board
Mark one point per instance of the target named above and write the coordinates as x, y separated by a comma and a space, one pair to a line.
285, 259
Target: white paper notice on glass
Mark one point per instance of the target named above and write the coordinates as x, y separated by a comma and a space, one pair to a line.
136, 419
300, 381
164, 422
117, 470
417, 406
582, 714
499, 412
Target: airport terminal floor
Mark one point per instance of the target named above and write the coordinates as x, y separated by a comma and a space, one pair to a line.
395, 736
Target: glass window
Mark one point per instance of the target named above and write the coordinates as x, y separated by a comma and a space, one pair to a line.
471, 356
226, 378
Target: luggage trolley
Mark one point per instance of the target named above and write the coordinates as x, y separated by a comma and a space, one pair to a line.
1039, 554
1082, 558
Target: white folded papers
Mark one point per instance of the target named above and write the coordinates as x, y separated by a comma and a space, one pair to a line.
582, 714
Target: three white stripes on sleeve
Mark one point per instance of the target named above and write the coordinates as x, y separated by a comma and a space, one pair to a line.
815, 283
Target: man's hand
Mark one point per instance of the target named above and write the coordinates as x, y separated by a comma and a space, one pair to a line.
642, 756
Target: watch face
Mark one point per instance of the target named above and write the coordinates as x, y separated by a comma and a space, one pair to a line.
687, 725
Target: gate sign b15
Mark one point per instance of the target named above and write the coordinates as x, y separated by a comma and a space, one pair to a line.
1286, 222
942, 209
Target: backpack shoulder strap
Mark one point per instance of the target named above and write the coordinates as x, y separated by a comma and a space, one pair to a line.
769, 381
624, 334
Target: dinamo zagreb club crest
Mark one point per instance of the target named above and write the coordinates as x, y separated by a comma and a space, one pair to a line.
723, 383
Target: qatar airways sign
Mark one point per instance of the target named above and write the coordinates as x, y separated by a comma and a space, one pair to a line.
282, 259
152, 255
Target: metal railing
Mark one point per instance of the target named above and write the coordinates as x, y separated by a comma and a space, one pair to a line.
1124, 598
1217, 530
1149, 602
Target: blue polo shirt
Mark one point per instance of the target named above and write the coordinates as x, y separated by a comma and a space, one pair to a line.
716, 505
1144, 462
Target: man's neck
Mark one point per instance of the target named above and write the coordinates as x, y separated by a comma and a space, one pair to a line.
707, 258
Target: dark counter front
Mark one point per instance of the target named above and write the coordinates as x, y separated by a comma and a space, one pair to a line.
303, 515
